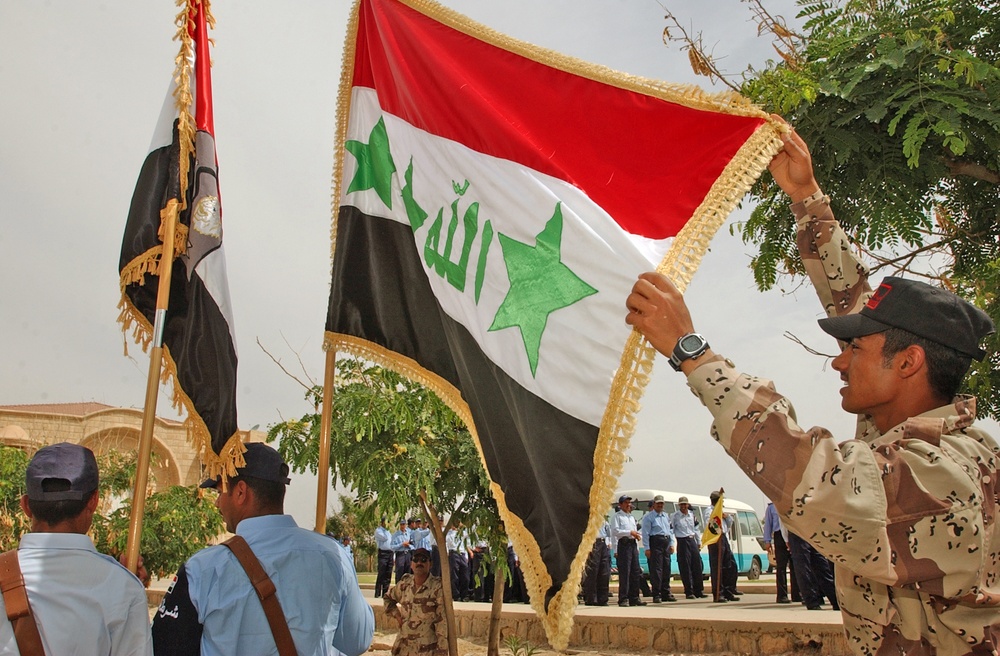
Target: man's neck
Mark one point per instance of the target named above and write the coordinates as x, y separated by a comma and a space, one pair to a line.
73, 525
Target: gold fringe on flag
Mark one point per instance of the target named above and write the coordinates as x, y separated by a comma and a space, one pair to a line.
679, 264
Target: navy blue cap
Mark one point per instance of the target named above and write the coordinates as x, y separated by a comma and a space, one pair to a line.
72, 463
262, 462
930, 312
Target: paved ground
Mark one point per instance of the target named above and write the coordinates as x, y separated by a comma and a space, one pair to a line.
756, 608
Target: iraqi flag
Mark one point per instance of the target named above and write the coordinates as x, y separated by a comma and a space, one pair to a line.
495, 205
180, 176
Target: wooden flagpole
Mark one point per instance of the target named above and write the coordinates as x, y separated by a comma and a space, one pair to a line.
152, 389
325, 424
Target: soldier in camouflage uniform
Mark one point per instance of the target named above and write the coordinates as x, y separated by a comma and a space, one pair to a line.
907, 510
417, 603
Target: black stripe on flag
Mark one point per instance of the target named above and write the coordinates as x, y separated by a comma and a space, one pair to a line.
381, 294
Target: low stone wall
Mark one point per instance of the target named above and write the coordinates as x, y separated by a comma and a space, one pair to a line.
660, 635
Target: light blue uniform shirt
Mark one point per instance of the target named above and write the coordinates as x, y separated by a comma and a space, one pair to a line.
422, 539
84, 602
772, 525
382, 538
317, 588
605, 533
685, 525
622, 525
398, 538
656, 523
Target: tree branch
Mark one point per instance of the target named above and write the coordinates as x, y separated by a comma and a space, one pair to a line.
972, 170
702, 62
282, 367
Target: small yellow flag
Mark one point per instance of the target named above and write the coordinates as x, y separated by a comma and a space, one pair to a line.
714, 528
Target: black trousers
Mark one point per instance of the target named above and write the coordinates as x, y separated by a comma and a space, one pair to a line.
402, 560
629, 571
383, 576
597, 576
477, 575
459, 563
515, 591
724, 582
690, 565
782, 563
813, 573
435, 561
659, 565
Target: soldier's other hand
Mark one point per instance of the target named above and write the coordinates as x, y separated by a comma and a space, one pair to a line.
792, 167
658, 311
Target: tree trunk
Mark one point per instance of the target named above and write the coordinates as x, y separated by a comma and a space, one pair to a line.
449, 607
493, 639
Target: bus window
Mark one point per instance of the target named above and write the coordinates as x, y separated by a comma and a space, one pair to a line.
744, 520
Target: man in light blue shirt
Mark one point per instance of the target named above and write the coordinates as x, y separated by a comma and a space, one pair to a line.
597, 576
401, 545
776, 542
383, 577
83, 602
625, 535
687, 533
658, 538
457, 543
211, 608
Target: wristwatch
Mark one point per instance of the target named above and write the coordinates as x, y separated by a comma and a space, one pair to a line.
688, 347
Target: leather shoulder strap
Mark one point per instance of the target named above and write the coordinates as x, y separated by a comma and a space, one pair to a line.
266, 592
15, 600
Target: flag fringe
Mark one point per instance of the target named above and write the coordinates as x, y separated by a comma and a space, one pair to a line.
679, 264
536, 577
230, 458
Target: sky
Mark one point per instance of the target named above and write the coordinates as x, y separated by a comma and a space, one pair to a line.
83, 82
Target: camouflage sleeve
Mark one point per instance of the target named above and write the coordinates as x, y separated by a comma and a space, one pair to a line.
839, 277
390, 601
835, 495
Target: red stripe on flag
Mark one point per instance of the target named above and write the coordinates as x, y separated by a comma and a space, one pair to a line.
641, 158
204, 115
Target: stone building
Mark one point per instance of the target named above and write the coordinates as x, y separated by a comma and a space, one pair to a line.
103, 428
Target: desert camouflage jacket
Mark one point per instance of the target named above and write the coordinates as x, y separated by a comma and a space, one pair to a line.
908, 517
424, 630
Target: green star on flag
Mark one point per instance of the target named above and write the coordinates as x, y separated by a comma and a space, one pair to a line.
540, 284
375, 165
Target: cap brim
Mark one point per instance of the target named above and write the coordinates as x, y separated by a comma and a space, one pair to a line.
849, 326
210, 482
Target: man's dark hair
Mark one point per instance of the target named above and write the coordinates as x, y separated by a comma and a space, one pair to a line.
54, 512
946, 367
270, 495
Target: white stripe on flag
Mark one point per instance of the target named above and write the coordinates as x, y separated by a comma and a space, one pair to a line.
212, 271
582, 344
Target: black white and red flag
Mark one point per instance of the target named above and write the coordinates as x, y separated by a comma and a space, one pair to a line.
180, 177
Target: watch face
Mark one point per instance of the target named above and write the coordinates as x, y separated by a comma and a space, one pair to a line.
691, 343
